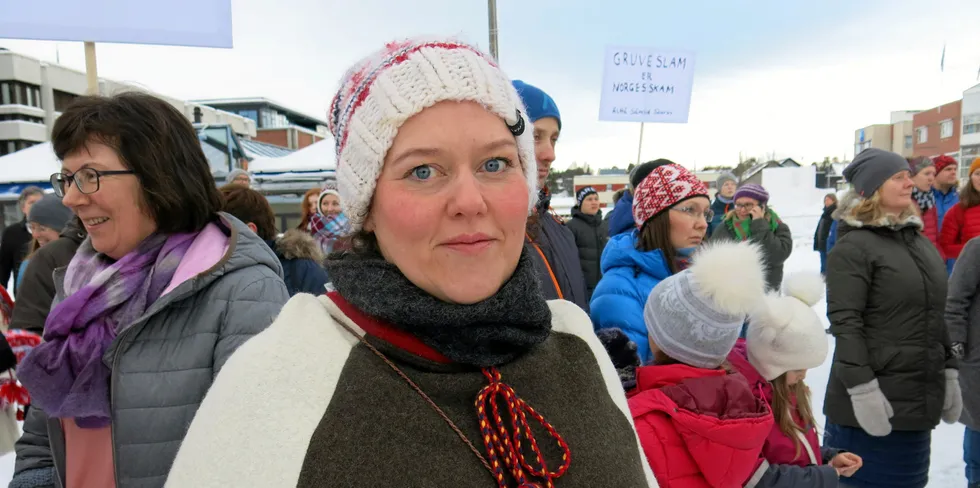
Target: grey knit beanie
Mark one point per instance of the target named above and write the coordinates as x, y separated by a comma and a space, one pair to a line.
723, 177
695, 316
50, 212
871, 168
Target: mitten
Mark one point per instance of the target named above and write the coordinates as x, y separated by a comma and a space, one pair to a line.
953, 403
622, 352
871, 408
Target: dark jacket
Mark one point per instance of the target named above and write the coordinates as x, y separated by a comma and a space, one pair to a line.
963, 323
886, 295
776, 246
591, 234
300, 256
555, 257
37, 285
13, 248
720, 209
823, 228
621, 216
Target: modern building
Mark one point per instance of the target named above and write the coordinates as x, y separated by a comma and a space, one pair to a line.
33, 93
970, 134
903, 132
878, 136
937, 131
276, 124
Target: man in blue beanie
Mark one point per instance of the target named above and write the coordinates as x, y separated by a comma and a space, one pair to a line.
552, 245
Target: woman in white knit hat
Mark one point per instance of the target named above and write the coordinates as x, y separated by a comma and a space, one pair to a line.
786, 338
436, 305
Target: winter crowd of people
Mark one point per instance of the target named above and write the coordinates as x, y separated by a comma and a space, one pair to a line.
433, 322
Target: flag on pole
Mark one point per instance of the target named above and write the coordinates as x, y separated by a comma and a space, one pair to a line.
942, 61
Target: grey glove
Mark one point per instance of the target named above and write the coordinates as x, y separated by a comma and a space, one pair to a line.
34, 478
953, 403
872, 409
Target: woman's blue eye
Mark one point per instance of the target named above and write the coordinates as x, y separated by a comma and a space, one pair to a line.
494, 165
422, 172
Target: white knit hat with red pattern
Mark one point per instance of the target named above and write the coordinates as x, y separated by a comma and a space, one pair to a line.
663, 188
380, 92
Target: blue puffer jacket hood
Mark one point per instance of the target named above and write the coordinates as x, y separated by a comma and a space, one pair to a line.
628, 276
621, 216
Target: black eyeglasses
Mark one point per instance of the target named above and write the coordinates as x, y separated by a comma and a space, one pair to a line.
86, 180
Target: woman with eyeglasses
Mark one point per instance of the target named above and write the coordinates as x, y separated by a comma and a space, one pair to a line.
671, 211
753, 220
157, 297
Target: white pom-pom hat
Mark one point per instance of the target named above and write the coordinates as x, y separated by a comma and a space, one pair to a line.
695, 316
379, 93
785, 334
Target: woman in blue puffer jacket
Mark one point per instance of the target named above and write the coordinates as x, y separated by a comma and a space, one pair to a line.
671, 211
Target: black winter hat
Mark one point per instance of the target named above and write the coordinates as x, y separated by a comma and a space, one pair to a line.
871, 168
641, 171
583, 194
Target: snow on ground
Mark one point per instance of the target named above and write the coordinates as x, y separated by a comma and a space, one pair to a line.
800, 207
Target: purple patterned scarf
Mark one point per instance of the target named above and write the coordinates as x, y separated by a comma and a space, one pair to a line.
65, 375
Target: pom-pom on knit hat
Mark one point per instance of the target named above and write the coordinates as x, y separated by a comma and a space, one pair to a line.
695, 316
665, 186
785, 334
379, 93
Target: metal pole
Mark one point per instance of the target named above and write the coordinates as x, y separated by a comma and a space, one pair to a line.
492, 13
639, 150
91, 69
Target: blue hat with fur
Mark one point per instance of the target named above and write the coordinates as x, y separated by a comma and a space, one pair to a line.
538, 103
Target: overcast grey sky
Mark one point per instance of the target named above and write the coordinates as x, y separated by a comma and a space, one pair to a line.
794, 78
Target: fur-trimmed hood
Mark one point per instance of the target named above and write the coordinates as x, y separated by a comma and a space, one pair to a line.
297, 244
852, 199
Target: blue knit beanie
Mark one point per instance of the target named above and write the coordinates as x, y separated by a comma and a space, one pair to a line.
538, 103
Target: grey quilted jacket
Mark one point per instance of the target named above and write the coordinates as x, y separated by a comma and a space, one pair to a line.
163, 364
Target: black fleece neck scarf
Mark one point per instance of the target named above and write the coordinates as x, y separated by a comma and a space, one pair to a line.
489, 333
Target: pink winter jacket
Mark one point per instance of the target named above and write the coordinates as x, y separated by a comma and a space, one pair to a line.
779, 448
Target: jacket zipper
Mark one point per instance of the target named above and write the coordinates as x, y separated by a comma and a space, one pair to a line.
138, 325
925, 293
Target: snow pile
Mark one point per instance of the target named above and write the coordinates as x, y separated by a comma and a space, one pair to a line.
320, 156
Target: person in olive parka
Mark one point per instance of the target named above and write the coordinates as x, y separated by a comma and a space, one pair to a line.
893, 375
591, 234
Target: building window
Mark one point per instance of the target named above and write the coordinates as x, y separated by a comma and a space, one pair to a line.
946, 129
25, 118
971, 124
908, 142
923, 134
861, 146
62, 100
5, 93
250, 114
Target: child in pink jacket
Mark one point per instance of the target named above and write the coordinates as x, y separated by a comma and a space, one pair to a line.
784, 339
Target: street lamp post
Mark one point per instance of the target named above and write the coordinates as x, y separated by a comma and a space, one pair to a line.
492, 13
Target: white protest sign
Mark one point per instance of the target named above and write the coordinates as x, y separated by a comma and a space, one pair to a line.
641, 84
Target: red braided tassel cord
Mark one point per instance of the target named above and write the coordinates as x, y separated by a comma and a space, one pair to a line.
501, 444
